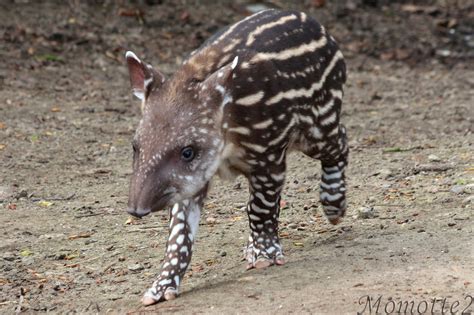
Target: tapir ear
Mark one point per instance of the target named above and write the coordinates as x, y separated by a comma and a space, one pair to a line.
222, 78
143, 77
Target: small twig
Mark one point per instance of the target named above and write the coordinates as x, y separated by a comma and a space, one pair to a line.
95, 214
108, 267
61, 198
54, 198
148, 227
88, 215
145, 230
80, 235
156, 309
432, 168
398, 149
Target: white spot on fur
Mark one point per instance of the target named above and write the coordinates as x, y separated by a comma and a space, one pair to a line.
176, 229
180, 239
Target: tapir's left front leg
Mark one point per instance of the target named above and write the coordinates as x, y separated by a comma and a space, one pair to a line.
184, 222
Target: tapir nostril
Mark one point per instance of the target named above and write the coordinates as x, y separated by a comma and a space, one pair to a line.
138, 212
133, 212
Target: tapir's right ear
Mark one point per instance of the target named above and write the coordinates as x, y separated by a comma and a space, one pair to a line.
143, 77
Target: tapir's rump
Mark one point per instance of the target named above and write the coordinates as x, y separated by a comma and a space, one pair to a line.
266, 85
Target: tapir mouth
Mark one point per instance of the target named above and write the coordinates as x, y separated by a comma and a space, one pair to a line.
162, 202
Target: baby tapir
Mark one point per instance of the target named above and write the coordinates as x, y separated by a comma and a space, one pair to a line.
266, 85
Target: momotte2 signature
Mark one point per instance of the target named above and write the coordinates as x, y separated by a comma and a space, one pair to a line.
379, 305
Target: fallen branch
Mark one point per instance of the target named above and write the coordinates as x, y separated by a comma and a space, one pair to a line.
431, 168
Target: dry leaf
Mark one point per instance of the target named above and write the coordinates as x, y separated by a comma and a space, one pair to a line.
131, 220
71, 265
131, 13
4, 281
45, 204
319, 3
71, 256
26, 252
197, 268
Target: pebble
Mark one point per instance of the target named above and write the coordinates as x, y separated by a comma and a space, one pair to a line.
8, 256
433, 158
52, 236
115, 297
292, 226
468, 200
383, 173
211, 220
254, 8
469, 189
457, 189
222, 253
241, 205
22, 194
5, 193
135, 267
28, 261
57, 285
366, 213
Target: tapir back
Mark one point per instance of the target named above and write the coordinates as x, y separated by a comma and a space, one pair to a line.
288, 68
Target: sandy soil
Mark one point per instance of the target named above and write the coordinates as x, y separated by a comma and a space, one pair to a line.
66, 121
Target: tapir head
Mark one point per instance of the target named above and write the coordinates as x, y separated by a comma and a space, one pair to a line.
178, 142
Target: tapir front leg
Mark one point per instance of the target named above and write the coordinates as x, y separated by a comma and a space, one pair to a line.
184, 222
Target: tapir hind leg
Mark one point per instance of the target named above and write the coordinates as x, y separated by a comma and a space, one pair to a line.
333, 152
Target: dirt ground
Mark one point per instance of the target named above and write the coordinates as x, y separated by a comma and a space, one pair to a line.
67, 117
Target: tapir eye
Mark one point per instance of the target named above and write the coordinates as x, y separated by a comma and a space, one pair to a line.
187, 154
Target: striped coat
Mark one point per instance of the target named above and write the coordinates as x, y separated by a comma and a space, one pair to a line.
266, 85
